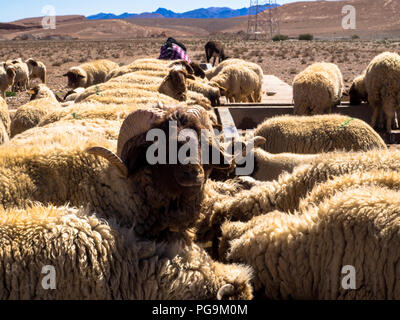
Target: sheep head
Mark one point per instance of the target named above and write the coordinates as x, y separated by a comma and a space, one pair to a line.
174, 84
11, 74
357, 91
172, 191
41, 91
76, 78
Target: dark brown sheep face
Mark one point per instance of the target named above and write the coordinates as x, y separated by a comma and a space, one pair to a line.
34, 92
355, 97
173, 190
75, 80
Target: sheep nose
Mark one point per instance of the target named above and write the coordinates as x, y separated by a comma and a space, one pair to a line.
190, 176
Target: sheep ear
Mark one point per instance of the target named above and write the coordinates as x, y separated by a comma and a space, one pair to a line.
31, 92
259, 141
66, 75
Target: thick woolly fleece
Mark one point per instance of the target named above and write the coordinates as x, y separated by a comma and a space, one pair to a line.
93, 72
29, 115
316, 134
302, 255
239, 81
382, 83
5, 121
237, 62
285, 193
317, 89
96, 259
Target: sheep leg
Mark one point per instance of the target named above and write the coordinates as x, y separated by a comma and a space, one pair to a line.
396, 121
215, 58
389, 111
374, 116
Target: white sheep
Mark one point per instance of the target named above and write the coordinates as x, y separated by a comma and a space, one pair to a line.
285, 193
237, 83
317, 89
4, 121
382, 84
90, 73
43, 102
236, 62
7, 77
303, 255
37, 70
316, 134
21, 81
94, 259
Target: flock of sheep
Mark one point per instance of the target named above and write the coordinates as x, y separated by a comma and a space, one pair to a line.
78, 194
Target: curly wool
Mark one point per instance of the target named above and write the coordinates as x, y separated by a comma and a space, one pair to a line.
235, 62
285, 193
316, 134
5, 121
239, 81
317, 89
301, 255
382, 83
29, 115
95, 259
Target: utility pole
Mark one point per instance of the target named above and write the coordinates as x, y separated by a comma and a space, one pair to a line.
263, 20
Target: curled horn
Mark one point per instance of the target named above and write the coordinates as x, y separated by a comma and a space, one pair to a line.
137, 123
225, 291
111, 157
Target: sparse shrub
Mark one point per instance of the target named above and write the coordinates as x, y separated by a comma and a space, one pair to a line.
280, 37
56, 64
306, 37
354, 37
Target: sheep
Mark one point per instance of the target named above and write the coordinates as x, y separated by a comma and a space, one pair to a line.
157, 203
68, 159
377, 178
140, 65
237, 83
215, 49
89, 73
302, 256
66, 130
37, 70
358, 92
73, 94
316, 134
285, 193
43, 101
141, 88
4, 121
269, 166
317, 89
382, 83
174, 84
96, 260
21, 81
7, 77
210, 92
258, 93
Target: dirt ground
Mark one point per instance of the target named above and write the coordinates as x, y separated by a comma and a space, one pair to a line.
282, 59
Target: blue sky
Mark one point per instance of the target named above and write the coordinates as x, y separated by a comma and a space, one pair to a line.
18, 9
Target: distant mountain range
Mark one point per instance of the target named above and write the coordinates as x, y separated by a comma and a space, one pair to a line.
203, 13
